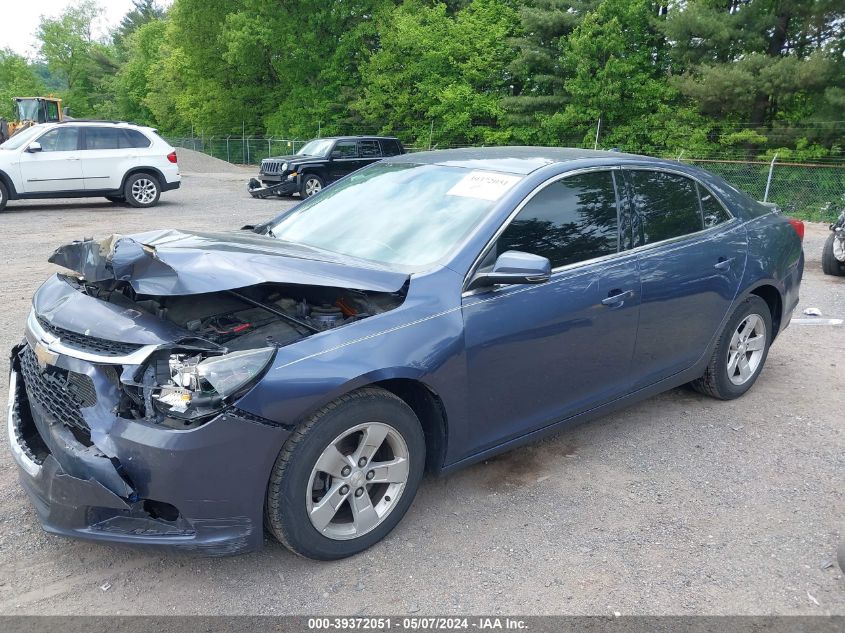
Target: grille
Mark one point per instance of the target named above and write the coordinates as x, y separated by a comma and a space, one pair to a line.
59, 392
90, 344
271, 166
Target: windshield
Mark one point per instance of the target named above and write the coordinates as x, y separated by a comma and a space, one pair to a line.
317, 147
403, 216
22, 138
28, 109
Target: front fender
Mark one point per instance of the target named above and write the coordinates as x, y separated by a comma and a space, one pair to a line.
422, 340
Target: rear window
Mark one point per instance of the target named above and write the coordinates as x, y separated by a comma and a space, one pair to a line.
114, 138
368, 149
390, 147
714, 212
665, 205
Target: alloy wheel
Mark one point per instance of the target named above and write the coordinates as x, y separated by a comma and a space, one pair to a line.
312, 186
746, 350
357, 481
144, 190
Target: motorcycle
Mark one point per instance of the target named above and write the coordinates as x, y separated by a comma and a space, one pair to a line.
833, 253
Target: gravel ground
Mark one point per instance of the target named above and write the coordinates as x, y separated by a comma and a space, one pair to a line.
679, 505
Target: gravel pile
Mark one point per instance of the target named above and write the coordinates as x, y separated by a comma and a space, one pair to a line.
192, 162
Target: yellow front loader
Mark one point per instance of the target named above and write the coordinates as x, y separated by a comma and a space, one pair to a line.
34, 110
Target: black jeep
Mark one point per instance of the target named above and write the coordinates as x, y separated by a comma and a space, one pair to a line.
319, 163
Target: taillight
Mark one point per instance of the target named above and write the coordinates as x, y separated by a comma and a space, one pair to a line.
798, 225
172, 157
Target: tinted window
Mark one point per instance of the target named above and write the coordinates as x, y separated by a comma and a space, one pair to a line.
714, 212
60, 139
666, 205
369, 149
390, 147
347, 149
569, 221
103, 138
133, 138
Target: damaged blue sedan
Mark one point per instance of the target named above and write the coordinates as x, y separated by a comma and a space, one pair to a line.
426, 312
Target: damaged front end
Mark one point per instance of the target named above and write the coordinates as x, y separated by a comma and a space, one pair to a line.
123, 410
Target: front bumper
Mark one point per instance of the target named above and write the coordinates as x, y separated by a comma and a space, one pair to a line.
132, 481
273, 184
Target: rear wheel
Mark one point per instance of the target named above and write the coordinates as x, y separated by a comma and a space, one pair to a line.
740, 353
4, 196
312, 184
346, 476
830, 264
142, 190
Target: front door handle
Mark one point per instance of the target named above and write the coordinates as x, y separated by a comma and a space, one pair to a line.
723, 264
616, 298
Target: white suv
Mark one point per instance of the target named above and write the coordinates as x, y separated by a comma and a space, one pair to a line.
81, 159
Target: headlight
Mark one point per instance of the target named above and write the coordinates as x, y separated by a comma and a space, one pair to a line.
230, 373
192, 384
284, 166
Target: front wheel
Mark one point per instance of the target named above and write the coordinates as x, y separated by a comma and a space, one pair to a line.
4, 196
312, 184
142, 190
740, 353
831, 264
346, 476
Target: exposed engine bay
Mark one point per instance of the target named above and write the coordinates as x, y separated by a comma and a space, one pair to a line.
229, 339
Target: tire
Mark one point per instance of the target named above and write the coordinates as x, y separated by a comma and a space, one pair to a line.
831, 265
719, 380
311, 184
297, 485
142, 190
116, 199
4, 196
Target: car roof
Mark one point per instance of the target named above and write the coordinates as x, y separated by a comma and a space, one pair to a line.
517, 160
354, 138
96, 123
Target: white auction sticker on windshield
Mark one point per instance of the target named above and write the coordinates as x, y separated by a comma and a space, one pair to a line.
484, 185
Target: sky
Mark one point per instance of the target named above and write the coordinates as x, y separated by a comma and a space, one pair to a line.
19, 20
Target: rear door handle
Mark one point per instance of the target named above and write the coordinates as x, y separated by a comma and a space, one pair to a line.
616, 298
723, 264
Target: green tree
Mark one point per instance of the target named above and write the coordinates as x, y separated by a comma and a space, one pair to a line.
537, 77
759, 61
17, 79
73, 56
142, 12
614, 66
433, 67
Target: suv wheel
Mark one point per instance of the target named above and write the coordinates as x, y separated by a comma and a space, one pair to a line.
142, 190
4, 196
311, 184
346, 475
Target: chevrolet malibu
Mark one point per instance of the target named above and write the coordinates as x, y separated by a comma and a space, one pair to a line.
424, 313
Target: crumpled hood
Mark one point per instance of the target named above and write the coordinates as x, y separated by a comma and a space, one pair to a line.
172, 262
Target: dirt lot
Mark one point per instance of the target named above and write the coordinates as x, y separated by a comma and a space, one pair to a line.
680, 505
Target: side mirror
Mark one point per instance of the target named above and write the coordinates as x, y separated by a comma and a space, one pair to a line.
34, 147
515, 267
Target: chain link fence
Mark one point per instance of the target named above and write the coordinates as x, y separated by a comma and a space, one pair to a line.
811, 191
808, 190
241, 150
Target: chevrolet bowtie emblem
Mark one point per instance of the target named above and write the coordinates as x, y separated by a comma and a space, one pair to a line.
45, 356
